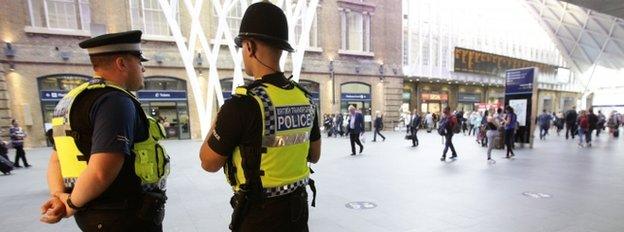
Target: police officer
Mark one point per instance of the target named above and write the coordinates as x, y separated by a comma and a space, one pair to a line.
100, 131
266, 134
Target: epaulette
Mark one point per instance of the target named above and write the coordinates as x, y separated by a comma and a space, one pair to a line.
96, 83
240, 91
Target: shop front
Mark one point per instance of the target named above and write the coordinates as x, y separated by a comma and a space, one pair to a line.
468, 101
357, 94
165, 98
52, 89
433, 102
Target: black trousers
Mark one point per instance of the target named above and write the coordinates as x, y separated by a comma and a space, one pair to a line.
355, 138
288, 213
448, 143
509, 140
118, 220
414, 137
20, 154
570, 129
377, 131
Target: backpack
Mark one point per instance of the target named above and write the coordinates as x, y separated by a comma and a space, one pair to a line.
455, 125
584, 123
449, 124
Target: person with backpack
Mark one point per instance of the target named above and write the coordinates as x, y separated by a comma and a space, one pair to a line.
510, 121
583, 122
447, 128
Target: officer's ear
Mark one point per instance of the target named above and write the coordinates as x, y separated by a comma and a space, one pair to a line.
120, 63
251, 47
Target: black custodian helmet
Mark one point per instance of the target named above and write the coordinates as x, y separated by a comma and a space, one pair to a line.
266, 22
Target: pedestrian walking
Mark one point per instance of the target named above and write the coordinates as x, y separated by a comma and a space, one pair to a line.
378, 125
17, 135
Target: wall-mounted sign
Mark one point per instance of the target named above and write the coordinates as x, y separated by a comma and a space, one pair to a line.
355, 96
469, 97
156, 95
434, 97
50, 95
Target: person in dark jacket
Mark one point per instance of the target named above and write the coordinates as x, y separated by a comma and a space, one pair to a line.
570, 118
544, 123
510, 121
355, 128
593, 125
378, 126
414, 126
339, 127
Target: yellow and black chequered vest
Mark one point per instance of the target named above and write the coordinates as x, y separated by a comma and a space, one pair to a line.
288, 116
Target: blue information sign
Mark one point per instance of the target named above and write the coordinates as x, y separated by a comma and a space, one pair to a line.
519, 81
155, 95
315, 96
51, 95
355, 96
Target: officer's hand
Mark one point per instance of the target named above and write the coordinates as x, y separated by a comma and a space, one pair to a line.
68, 210
52, 210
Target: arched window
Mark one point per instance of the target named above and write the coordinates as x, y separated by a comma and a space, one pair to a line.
164, 83
165, 99
52, 88
314, 89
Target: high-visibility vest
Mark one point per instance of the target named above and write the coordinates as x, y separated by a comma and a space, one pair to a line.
151, 160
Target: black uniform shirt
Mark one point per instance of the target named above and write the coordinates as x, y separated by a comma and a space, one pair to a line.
239, 121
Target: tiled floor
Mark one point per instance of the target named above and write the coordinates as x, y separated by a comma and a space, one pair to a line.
412, 189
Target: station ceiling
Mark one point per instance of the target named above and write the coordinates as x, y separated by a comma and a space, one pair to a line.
587, 32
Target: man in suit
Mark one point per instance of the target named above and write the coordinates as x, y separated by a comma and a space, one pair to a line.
414, 126
356, 128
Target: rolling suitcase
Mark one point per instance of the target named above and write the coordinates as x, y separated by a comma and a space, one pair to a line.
6, 166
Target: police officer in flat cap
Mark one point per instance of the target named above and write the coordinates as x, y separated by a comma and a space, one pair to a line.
265, 136
107, 168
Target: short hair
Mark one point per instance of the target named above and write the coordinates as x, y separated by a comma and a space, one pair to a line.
105, 60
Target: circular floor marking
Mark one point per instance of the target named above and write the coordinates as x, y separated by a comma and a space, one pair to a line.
360, 205
537, 195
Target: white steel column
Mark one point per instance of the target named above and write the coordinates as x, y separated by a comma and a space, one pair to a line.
188, 51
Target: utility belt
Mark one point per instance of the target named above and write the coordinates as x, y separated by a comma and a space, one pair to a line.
244, 198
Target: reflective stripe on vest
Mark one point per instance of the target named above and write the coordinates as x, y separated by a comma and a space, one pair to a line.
288, 116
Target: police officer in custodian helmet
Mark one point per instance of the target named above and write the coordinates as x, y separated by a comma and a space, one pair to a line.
266, 134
